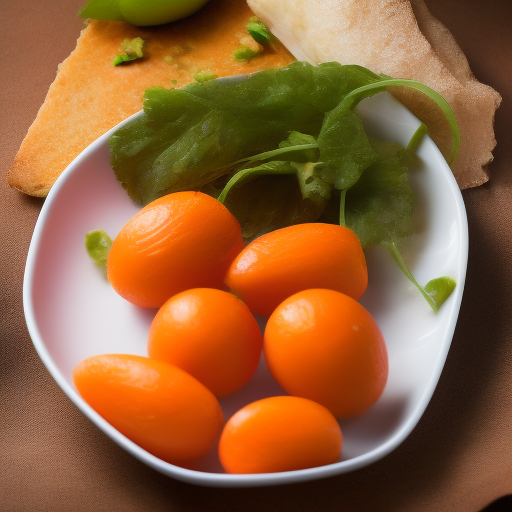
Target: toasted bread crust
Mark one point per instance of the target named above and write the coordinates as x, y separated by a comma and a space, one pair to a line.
90, 95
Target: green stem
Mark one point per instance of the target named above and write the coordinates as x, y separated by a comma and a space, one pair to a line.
397, 256
246, 175
275, 152
353, 97
342, 207
417, 138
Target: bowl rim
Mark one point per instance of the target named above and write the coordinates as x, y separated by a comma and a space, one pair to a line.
223, 479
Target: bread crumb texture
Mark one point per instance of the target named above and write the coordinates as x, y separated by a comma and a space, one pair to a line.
90, 95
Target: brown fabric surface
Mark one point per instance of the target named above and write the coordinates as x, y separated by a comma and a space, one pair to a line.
459, 457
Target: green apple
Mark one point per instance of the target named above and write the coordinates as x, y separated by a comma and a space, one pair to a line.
141, 12
157, 12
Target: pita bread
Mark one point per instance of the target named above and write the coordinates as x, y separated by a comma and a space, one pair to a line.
386, 37
90, 95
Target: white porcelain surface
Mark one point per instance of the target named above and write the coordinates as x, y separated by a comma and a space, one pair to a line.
72, 312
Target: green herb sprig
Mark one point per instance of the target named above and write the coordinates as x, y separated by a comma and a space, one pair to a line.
97, 245
132, 50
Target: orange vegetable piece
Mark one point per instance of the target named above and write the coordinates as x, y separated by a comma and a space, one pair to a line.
323, 345
281, 433
211, 335
158, 406
180, 241
295, 258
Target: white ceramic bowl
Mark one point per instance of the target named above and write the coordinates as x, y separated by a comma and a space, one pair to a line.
72, 312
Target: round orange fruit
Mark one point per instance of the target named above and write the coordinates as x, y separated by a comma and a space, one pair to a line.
295, 258
180, 241
158, 406
282, 433
211, 335
323, 345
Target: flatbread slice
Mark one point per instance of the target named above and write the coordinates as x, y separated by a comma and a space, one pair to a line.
90, 95
386, 37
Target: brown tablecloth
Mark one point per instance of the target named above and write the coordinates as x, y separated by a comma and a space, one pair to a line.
459, 457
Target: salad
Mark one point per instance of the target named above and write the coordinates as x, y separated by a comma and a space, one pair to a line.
280, 160
278, 148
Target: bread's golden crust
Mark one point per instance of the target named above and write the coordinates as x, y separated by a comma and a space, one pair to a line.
89, 95
387, 38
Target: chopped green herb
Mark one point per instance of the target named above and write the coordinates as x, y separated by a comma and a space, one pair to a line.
98, 244
245, 53
259, 32
180, 49
205, 75
132, 50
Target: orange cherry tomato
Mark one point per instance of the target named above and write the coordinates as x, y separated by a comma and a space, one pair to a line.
300, 257
180, 241
323, 345
158, 406
211, 335
281, 433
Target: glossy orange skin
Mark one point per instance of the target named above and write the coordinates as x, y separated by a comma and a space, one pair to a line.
299, 257
211, 335
180, 241
282, 433
325, 346
158, 406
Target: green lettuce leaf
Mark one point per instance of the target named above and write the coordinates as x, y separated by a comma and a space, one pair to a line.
378, 208
275, 202
435, 292
344, 148
188, 137
270, 202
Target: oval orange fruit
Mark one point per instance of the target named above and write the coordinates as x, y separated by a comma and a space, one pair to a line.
211, 335
295, 258
180, 241
158, 406
281, 433
325, 346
